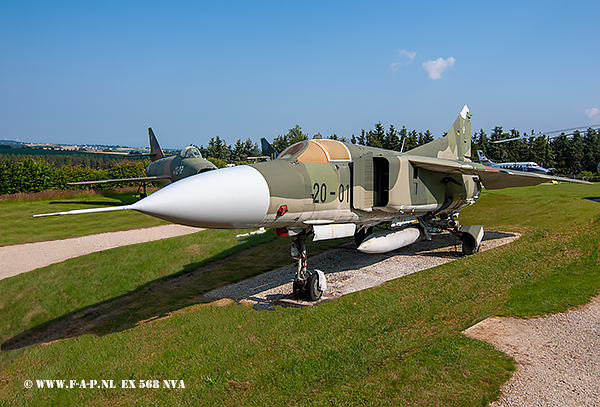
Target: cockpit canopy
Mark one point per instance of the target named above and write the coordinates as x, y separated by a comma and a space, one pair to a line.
190, 152
316, 151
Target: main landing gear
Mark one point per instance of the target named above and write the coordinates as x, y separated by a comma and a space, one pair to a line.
141, 191
307, 285
471, 235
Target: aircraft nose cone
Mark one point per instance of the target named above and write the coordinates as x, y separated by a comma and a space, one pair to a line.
229, 198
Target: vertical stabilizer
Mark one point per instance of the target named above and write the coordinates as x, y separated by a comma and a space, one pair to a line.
267, 149
156, 152
483, 158
455, 145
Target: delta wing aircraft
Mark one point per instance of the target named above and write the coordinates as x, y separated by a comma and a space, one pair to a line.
526, 166
329, 189
164, 170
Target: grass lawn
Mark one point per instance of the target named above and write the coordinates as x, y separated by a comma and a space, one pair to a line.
137, 313
17, 226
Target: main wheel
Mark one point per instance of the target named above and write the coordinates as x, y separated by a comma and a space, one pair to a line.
299, 290
312, 287
468, 246
362, 235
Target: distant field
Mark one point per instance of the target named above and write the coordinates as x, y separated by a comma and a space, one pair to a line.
41, 152
137, 313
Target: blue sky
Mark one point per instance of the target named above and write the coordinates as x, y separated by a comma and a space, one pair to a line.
101, 72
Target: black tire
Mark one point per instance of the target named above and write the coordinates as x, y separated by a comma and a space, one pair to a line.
312, 288
468, 246
362, 235
299, 291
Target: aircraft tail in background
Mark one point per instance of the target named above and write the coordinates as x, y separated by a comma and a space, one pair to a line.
267, 149
483, 158
156, 152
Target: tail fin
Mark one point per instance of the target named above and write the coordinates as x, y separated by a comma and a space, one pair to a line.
156, 152
483, 159
455, 145
267, 149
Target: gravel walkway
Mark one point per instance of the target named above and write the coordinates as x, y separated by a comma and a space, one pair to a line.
348, 270
20, 258
557, 357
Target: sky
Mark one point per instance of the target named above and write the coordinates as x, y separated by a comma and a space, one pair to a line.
102, 72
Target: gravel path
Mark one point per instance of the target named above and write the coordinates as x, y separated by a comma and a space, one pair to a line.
20, 258
348, 270
557, 357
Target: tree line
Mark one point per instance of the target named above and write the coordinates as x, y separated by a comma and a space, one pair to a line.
574, 154
391, 139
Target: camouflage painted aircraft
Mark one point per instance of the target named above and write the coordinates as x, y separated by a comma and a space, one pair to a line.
526, 166
164, 170
329, 189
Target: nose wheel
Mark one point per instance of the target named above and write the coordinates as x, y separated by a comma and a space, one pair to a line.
307, 285
310, 290
313, 291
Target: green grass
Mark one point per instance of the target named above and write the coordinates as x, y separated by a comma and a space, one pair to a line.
17, 225
131, 284
396, 344
541, 206
571, 277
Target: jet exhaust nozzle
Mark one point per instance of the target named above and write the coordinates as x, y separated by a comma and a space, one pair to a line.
388, 240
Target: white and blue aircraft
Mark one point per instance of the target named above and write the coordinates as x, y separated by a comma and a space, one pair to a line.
525, 166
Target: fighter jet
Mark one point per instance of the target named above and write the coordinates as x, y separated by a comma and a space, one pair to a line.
163, 170
526, 166
329, 189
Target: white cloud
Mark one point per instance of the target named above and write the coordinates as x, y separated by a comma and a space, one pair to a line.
435, 68
409, 54
593, 112
406, 57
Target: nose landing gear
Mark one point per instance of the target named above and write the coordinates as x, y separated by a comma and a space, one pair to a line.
307, 285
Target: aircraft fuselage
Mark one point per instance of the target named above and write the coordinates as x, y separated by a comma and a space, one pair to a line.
375, 187
322, 182
187, 162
